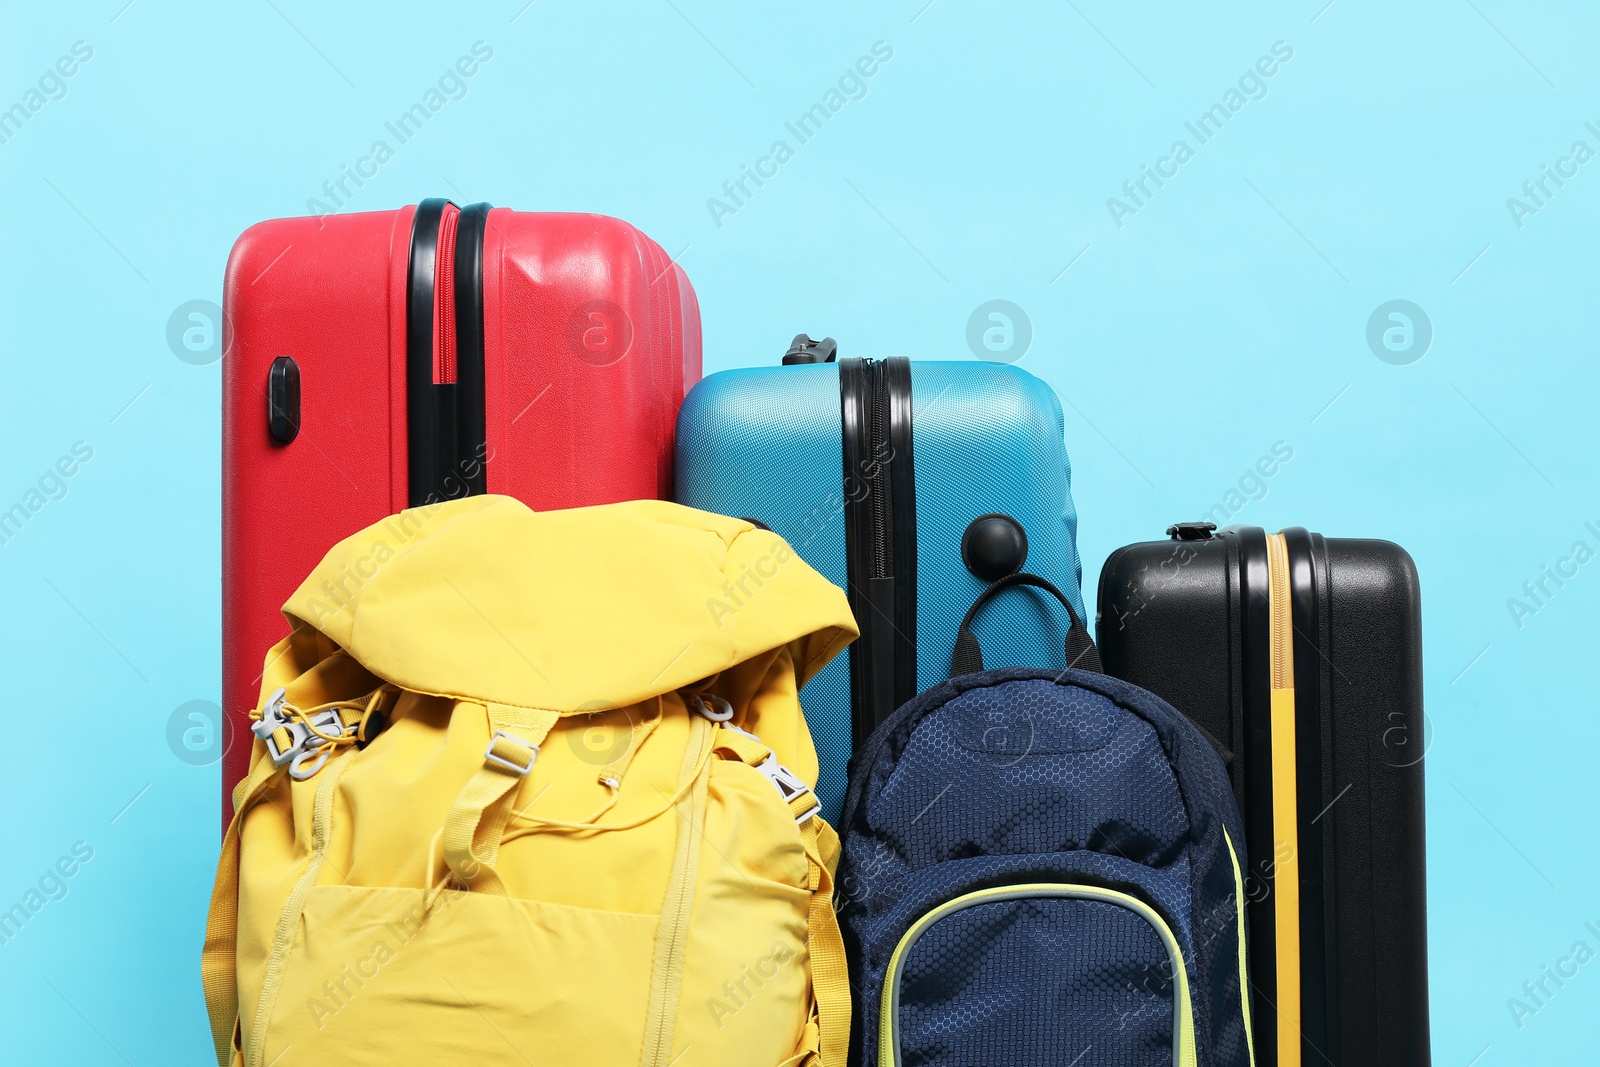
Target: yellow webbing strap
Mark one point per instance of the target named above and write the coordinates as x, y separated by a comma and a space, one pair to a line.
830, 975
477, 818
218, 962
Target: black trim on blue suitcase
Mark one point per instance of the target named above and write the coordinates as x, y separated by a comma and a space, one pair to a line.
880, 523
903, 514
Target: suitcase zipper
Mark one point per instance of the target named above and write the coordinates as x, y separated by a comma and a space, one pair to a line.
1281, 624
879, 487
446, 447
444, 298
1285, 815
880, 536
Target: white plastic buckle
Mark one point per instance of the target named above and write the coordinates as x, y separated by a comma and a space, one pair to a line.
789, 785
501, 761
272, 720
314, 751
715, 708
300, 769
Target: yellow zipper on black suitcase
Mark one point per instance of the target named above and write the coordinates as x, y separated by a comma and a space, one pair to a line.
1285, 806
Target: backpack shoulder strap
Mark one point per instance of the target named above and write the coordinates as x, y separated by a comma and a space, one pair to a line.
830, 975
218, 959
477, 818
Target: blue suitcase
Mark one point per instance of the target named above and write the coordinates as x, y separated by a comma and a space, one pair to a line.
912, 485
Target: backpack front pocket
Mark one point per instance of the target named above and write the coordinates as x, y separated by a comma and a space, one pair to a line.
374, 978
1037, 973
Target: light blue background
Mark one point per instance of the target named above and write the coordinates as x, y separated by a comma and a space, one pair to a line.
1229, 313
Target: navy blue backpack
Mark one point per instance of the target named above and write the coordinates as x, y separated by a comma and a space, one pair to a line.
1042, 867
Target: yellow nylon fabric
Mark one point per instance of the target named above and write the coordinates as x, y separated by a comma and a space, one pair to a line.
567, 610
436, 906
477, 819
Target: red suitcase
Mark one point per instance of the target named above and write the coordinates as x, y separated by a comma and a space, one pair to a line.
387, 359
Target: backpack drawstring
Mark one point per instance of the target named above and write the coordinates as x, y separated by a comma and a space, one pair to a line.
712, 709
305, 738
531, 823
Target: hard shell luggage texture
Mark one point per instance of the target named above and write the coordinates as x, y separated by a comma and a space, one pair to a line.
382, 360
874, 470
1302, 656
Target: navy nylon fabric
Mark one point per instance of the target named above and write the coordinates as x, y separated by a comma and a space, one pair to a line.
1057, 981
897, 904
1020, 775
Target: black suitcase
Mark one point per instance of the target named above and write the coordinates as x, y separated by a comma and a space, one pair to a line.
1301, 656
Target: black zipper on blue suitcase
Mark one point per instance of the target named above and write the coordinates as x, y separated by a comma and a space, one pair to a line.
881, 488
880, 521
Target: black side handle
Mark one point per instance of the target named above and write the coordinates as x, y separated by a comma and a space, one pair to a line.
804, 350
283, 400
968, 656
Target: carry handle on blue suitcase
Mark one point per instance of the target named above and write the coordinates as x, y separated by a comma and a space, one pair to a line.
968, 656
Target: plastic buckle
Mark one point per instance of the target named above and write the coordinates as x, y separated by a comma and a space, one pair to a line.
789, 785
315, 748
300, 770
715, 708
272, 720
500, 761
331, 722
298, 736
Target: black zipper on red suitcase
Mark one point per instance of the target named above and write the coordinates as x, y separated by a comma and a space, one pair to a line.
880, 536
472, 448
445, 448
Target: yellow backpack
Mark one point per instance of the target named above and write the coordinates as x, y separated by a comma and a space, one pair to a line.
535, 788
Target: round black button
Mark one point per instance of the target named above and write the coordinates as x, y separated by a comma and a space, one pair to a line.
994, 546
